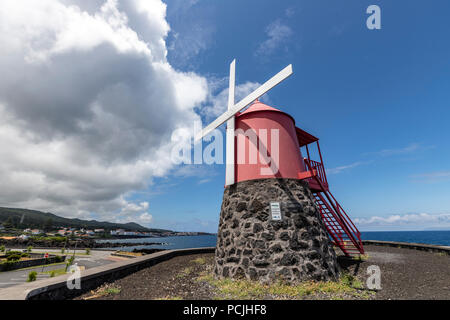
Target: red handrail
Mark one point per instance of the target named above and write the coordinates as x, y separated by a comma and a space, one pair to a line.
318, 166
347, 218
346, 223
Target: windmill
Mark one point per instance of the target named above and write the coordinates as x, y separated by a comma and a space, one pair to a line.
280, 222
229, 115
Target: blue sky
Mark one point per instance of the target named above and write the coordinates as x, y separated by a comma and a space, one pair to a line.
377, 99
105, 83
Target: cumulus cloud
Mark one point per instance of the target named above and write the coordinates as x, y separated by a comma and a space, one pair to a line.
218, 103
416, 221
194, 31
278, 35
88, 103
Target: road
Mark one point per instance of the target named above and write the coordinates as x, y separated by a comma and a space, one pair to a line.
94, 259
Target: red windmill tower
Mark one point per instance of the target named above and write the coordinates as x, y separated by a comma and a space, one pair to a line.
278, 214
291, 164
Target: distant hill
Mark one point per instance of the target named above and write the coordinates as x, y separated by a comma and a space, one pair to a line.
24, 218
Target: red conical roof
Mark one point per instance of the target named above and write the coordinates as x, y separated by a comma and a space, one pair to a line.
257, 106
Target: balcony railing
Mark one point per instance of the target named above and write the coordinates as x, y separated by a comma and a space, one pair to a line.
318, 167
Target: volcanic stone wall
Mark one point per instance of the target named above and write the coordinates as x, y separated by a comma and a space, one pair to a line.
252, 245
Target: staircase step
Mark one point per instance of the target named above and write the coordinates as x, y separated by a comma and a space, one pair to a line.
337, 225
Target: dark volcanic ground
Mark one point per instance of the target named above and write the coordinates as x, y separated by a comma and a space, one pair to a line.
405, 274
408, 273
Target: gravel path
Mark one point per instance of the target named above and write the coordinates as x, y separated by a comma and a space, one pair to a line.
408, 273
405, 274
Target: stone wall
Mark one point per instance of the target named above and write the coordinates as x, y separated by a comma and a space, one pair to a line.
250, 244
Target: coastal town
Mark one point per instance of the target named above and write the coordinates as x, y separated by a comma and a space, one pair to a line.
25, 234
85, 233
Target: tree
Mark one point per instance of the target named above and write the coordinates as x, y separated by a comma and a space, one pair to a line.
48, 225
8, 223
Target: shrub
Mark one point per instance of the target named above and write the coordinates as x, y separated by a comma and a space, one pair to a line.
70, 262
13, 257
52, 274
59, 259
52, 238
88, 251
32, 276
2, 248
63, 250
24, 255
11, 253
29, 249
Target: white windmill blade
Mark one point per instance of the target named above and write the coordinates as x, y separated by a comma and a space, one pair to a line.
229, 173
269, 84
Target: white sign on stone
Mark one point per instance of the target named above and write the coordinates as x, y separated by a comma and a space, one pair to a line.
275, 210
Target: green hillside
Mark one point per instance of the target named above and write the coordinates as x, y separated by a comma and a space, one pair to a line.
24, 218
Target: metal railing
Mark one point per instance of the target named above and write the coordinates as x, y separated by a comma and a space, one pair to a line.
338, 212
318, 166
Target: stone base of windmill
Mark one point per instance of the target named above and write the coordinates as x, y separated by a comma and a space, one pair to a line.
251, 244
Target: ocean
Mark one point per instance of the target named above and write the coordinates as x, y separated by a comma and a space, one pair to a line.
429, 237
181, 242
178, 242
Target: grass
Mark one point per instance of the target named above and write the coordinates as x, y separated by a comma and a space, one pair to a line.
347, 287
111, 291
104, 291
170, 298
361, 257
54, 273
199, 261
185, 272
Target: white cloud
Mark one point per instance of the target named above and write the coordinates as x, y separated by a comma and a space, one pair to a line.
194, 32
432, 177
409, 149
391, 152
218, 103
278, 35
289, 12
145, 218
413, 221
88, 102
343, 168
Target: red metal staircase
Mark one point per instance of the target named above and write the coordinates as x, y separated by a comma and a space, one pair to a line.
341, 229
